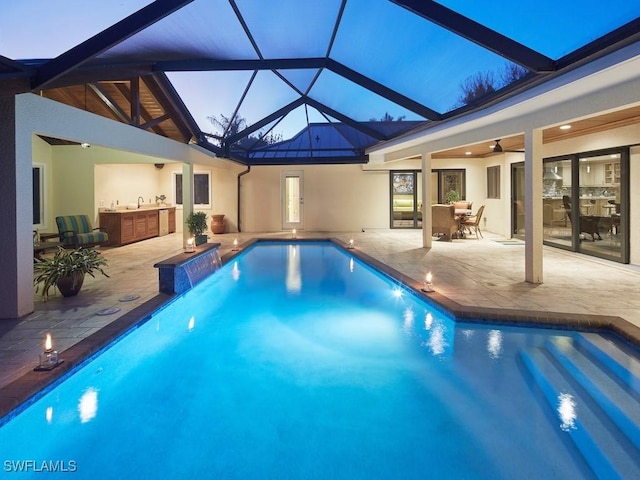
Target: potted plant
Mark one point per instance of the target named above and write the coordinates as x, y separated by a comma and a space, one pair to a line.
452, 196
197, 224
66, 270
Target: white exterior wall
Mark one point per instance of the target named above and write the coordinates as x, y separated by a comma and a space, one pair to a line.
336, 198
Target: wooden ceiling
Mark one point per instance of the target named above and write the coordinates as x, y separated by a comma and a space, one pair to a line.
607, 121
140, 102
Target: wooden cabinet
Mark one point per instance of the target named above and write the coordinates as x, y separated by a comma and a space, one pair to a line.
133, 225
612, 172
172, 220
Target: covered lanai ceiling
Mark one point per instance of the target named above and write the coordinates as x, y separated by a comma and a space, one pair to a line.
290, 82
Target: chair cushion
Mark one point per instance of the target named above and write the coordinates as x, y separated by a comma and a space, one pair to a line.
83, 233
92, 238
75, 223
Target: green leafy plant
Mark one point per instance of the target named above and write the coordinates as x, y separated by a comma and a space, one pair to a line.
196, 223
67, 264
452, 196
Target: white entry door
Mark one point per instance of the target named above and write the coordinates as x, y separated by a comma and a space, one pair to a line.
292, 200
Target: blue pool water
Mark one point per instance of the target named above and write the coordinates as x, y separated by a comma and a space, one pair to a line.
300, 362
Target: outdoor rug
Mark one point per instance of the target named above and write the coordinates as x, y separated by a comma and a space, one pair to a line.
512, 241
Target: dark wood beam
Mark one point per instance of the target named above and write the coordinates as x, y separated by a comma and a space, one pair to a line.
104, 40
110, 103
134, 100
479, 34
165, 93
154, 122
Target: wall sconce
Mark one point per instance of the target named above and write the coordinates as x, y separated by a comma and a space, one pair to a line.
427, 287
190, 248
49, 357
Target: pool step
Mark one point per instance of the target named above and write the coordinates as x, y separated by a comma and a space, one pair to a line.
624, 367
609, 453
616, 399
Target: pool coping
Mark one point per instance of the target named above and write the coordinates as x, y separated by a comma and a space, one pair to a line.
25, 390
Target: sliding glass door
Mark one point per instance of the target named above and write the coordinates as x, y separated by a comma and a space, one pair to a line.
585, 203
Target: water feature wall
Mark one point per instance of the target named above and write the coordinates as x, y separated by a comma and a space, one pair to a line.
182, 272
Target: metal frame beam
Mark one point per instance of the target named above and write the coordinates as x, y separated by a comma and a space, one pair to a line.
479, 34
344, 119
382, 90
104, 40
265, 121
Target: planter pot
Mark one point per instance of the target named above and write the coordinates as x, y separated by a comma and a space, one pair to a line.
217, 223
70, 286
200, 239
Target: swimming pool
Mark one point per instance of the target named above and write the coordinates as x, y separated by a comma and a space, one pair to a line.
299, 361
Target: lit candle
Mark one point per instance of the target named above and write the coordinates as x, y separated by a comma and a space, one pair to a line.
190, 246
235, 244
427, 283
294, 233
49, 357
350, 243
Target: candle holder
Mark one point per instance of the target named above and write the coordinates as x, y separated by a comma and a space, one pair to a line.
48, 359
350, 244
427, 287
190, 247
235, 245
293, 233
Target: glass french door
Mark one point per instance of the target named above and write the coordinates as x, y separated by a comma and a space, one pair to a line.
406, 199
517, 200
292, 200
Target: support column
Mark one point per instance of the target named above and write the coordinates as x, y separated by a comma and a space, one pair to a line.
426, 201
533, 205
187, 198
16, 217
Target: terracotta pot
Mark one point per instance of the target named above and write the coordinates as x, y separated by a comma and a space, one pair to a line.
70, 286
217, 223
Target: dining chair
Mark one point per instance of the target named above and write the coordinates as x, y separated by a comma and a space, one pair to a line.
472, 222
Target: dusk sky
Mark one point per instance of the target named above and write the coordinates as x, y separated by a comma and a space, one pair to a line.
376, 38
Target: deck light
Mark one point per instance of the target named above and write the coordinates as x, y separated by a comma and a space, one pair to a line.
428, 283
190, 248
235, 245
49, 357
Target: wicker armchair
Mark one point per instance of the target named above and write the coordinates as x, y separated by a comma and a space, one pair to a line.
444, 221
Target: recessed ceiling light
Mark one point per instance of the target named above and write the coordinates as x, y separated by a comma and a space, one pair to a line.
565, 127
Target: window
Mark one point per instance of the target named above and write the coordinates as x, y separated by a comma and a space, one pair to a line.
493, 182
449, 180
38, 195
201, 190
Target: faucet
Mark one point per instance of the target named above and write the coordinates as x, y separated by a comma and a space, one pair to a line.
140, 200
